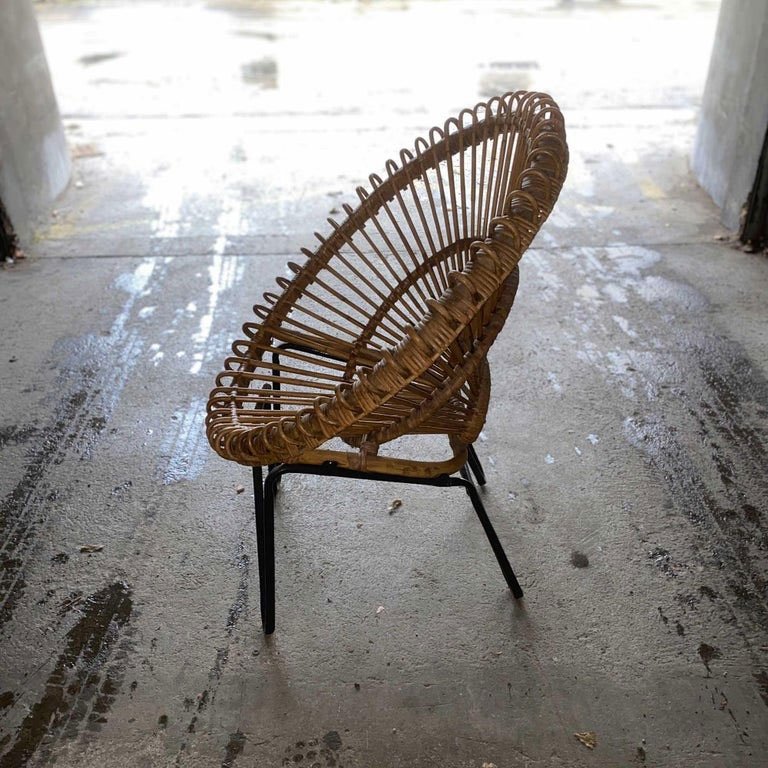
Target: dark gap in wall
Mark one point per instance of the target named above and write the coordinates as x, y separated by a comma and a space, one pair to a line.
9, 243
755, 230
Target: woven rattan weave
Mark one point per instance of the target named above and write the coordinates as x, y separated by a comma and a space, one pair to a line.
384, 330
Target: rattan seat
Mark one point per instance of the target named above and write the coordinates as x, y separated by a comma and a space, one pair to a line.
384, 330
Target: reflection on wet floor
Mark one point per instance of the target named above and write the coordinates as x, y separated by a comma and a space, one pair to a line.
370, 57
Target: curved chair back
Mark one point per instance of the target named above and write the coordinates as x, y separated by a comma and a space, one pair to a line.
384, 330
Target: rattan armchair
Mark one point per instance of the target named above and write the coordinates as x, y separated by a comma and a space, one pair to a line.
384, 330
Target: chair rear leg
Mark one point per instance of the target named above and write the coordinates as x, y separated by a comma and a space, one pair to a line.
258, 503
264, 495
475, 465
498, 550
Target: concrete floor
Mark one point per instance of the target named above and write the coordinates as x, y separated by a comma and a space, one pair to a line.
625, 446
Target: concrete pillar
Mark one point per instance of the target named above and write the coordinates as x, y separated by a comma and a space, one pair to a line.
34, 160
734, 111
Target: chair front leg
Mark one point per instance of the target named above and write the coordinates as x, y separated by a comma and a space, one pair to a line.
264, 495
490, 532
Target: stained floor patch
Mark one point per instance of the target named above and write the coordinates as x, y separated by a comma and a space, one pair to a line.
236, 611
80, 689
762, 681
23, 510
233, 749
93, 370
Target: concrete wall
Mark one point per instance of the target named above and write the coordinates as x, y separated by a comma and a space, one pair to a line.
734, 112
34, 160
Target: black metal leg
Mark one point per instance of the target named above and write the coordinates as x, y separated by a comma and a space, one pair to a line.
258, 498
264, 496
258, 486
267, 586
490, 532
475, 465
258, 503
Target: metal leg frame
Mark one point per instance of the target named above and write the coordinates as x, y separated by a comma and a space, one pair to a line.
475, 465
264, 496
264, 499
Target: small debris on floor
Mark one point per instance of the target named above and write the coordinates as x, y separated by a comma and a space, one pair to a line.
579, 559
89, 548
395, 505
357, 686
239, 488
380, 610
85, 150
708, 652
489, 765
587, 738
332, 740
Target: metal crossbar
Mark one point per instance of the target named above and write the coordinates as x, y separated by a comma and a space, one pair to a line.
265, 491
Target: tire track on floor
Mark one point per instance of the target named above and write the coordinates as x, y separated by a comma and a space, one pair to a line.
85, 680
92, 376
236, 611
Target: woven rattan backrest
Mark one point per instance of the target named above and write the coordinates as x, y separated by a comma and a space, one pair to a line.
400, 290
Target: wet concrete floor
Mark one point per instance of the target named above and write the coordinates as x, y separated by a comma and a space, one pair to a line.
625, 446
